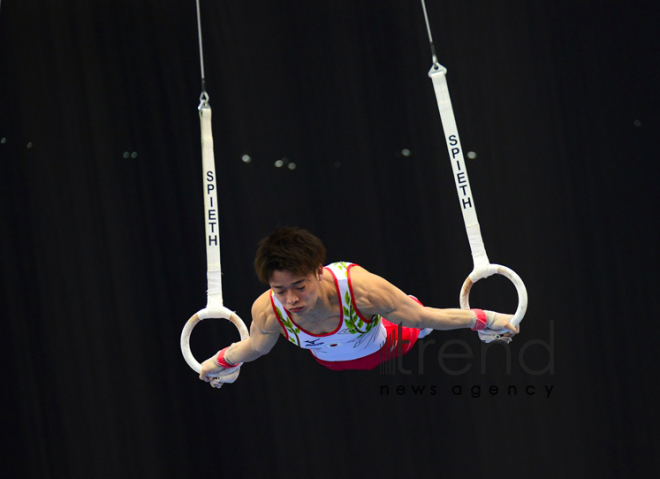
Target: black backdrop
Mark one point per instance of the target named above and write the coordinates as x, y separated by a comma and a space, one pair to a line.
103, 254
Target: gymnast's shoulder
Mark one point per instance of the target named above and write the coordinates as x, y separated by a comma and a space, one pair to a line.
364, 280
373, 293
263, 315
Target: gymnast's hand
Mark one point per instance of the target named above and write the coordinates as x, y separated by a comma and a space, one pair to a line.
500, 322
216, 370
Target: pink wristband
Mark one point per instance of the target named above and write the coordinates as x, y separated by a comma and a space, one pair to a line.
222, 362
480, 325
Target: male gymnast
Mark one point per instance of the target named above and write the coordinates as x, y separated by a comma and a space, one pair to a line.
346, 316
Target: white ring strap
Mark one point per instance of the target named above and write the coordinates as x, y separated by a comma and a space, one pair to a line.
214, 306
482, 266
211, 218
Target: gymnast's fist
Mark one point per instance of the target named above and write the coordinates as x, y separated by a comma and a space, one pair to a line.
500, 322
216, 370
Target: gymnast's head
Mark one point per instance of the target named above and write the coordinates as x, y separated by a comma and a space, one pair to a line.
288, 249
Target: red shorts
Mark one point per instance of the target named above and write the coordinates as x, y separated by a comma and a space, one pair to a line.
394, 346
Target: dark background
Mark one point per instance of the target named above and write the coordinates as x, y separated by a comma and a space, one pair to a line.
103, 256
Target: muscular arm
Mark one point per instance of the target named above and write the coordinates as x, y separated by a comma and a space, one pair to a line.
264, 332
375, 295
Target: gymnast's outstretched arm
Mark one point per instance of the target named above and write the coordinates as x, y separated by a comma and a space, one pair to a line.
376, 295
264, 332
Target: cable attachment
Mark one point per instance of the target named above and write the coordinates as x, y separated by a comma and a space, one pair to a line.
203, 100
204, 97
436, 64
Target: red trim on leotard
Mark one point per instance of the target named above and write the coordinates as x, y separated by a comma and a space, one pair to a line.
277, 316
350, 288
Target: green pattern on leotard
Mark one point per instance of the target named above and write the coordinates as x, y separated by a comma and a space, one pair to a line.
353, 322
290, 327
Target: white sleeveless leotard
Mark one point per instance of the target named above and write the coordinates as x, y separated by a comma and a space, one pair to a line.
355, 336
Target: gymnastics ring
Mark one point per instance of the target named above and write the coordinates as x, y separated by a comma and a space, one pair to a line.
219, 312
485, 272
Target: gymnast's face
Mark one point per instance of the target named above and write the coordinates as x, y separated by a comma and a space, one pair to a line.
298, 293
